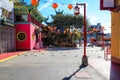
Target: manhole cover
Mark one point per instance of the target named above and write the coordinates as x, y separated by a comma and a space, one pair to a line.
82, 75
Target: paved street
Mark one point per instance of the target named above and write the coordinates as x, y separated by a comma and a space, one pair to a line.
55, 64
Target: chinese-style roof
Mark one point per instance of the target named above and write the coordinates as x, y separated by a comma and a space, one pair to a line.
20, 8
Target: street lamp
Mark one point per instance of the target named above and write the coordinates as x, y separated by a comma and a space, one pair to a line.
77, 12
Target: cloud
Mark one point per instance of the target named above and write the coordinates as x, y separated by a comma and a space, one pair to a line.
93, 20
46, 5
107, 28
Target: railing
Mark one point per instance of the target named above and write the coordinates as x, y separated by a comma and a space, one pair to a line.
107, 53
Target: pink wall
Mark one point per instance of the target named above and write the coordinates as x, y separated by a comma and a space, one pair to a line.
33, 37
29, 42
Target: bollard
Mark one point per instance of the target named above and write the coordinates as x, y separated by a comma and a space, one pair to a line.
85, 61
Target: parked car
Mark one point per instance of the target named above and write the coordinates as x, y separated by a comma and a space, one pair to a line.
90, 45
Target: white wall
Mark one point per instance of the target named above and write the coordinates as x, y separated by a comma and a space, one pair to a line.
8, 5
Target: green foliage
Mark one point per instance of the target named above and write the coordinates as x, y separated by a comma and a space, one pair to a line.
61, 20
76, 35
66, 21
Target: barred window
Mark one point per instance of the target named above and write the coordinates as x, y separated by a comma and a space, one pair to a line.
108, 3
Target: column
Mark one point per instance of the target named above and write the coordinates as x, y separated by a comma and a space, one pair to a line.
115, 39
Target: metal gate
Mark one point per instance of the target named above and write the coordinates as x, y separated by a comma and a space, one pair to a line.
7, 39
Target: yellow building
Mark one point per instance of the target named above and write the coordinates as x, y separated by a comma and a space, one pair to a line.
115, 24
114, 7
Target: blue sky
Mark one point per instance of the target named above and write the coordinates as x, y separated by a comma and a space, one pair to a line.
94, 14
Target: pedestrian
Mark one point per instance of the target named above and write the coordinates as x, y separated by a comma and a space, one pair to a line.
40, 45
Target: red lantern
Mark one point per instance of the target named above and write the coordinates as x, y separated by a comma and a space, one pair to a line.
34, 2
70, 6
54, 5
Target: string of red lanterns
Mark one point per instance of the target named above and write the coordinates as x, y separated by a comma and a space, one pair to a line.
55, 5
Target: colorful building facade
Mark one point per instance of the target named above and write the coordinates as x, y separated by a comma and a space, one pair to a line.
98, 37
27, 24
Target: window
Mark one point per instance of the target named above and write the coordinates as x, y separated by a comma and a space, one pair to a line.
21, 18
107, 4
18, 18
24, 18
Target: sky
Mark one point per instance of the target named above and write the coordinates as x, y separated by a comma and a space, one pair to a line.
93, 12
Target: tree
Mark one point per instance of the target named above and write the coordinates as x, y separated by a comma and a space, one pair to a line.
65, 21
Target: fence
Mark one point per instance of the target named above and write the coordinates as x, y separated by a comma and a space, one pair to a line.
107, 53
7, 39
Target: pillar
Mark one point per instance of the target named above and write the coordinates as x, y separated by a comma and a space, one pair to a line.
115, 39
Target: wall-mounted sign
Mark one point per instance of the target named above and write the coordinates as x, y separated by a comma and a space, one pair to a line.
21, 36
107, 4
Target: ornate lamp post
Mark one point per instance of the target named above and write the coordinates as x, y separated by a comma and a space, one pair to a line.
76, 12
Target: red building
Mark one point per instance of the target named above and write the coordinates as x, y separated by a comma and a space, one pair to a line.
27, 23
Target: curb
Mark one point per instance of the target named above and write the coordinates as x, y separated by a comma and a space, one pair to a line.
12, 56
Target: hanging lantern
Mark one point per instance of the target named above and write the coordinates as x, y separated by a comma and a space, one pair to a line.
76, 10
54, 5
70, 6
34, 2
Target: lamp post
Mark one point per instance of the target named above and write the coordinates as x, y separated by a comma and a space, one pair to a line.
76, 12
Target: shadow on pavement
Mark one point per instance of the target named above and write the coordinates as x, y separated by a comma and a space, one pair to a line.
69, 77
115, 71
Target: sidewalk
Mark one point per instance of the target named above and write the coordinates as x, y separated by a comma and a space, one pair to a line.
9, 55
102, 66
